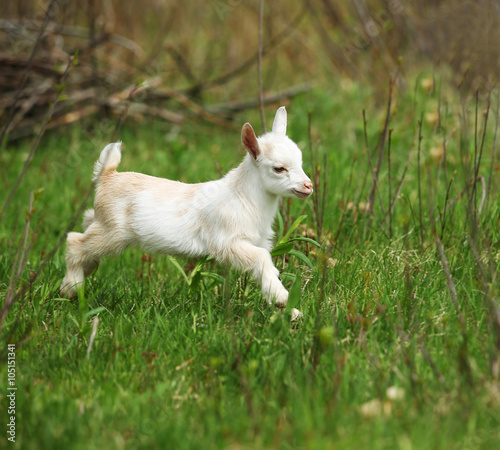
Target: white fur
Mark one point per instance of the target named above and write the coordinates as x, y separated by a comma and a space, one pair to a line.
230, 219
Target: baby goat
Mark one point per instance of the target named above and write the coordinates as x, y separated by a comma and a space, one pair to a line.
230, 219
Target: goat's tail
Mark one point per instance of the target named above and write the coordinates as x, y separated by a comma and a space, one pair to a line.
109, 160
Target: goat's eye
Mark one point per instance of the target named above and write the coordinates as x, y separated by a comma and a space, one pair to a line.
279, 169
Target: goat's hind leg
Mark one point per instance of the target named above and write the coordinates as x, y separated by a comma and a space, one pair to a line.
75, 265
83, 254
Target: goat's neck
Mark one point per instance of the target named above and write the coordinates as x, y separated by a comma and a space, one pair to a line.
247, 184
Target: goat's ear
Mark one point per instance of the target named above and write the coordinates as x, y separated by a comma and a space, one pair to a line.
249, 140
279, 124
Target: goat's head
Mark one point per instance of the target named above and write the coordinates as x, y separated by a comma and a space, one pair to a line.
278, 159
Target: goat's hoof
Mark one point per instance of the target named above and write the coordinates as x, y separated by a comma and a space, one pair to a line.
67, 290
68, 293
281, 300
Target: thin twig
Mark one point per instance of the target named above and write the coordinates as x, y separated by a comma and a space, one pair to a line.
319, 196
246, 65
449, 281
37, 141
19, 263
431, 362
463, 362
493, 152
381, 145
323, 198
403, 176
419, 181
389, 181
234, 107
124, 113
443, 215
182, 64
449, 204
492, 303
368, 152
477, 162
6, 126
259, 66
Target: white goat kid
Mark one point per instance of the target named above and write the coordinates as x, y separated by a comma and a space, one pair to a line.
230, 219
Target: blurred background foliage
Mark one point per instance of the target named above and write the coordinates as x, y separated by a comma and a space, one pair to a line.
175, 60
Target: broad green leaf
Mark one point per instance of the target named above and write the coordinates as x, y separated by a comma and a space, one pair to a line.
302, 257
213, 276
293, 227
305, 239
294, 295
282, 248
179, 268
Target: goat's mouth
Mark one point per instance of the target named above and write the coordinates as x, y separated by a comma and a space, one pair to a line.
301, 194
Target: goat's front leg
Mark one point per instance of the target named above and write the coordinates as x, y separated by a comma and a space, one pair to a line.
258, 261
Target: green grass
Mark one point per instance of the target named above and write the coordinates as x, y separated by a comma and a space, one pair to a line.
208, 365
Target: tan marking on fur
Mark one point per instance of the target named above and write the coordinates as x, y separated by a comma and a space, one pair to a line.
124, 186
129, 210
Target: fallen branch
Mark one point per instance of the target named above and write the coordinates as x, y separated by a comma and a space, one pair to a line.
234, 107
14, 26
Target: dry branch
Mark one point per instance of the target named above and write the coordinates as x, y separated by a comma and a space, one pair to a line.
30, 82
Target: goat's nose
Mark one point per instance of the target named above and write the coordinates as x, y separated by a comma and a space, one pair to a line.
308, 185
